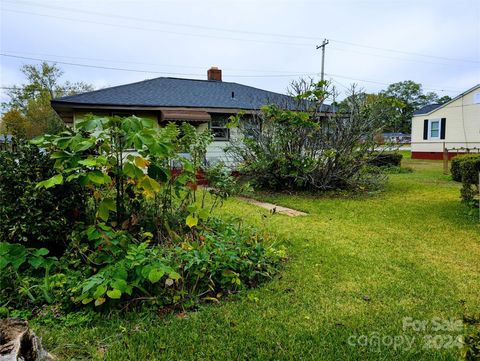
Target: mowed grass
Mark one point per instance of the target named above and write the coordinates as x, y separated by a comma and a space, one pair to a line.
357, 266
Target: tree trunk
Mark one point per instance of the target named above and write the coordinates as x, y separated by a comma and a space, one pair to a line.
19, 343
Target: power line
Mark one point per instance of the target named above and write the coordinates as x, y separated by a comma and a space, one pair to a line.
157, 30
293, 74
376, 55
230, 31
211, 36
142, 63
405, 52
96, 66
383, 83
156, 21
147, 71
341, 84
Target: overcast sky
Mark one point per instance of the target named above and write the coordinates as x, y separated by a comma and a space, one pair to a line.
263, 43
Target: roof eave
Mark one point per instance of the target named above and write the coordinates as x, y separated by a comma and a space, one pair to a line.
450, 101
78, 106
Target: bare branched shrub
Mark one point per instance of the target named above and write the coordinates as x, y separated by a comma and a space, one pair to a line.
315, 147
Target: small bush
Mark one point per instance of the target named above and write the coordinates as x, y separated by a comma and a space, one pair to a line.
469, 169
386, 160
218, 260
148, 233
466, 168
471, 340
36, 218
456, 165
25, 275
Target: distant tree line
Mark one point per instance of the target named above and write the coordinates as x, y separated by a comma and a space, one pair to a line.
399, 101
28, 112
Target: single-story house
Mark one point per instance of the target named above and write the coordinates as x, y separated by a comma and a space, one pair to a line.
454, 126
203, 103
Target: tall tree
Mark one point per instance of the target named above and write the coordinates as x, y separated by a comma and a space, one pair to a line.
28, 112
408, 96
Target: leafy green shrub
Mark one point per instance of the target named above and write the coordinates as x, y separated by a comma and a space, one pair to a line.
471, 340
386, 160
98, 156
36, 218
220, 259
467, 169
148, 233
455, 168
19, 274
110, 265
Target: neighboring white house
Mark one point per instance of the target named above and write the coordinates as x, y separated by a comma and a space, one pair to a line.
454, 125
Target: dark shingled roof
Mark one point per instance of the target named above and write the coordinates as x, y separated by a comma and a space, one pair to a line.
178, 92
426, 109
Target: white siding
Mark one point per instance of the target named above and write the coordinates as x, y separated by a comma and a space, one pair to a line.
462, 125
215, 151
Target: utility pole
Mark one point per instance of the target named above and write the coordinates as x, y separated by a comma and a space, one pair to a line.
325, 42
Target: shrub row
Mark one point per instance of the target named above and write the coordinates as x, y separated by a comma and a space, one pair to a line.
83, 221
458, 170
32, 217
386, 160
221, 259
471, 338
465, 169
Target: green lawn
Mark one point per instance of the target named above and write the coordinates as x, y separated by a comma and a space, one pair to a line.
356, 267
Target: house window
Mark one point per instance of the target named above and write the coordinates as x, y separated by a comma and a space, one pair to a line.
434, 132
476, 98
251, 127
218, 127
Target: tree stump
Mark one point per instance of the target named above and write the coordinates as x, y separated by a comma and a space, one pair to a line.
19, 343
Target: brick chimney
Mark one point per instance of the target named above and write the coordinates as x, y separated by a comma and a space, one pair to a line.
214, 74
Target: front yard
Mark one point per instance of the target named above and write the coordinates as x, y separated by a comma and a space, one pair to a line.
357, 269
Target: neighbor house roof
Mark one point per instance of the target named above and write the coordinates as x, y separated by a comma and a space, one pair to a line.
179, 92
426, 109
431, 107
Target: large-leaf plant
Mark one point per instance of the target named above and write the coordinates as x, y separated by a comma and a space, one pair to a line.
120, 160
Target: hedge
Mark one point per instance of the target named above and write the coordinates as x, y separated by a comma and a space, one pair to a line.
386, 160
466, 168
36, 218
456, 165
